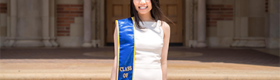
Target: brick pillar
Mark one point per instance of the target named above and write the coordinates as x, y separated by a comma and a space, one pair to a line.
218, 12
65, 16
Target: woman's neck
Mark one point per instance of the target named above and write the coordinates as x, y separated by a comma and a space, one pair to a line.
146, 17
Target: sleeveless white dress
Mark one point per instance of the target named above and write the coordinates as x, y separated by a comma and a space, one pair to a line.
149, 43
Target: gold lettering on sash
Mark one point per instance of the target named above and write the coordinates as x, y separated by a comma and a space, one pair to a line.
125, 75
121, 68
128, 68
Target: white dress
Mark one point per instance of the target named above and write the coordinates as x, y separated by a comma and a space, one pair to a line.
149, 43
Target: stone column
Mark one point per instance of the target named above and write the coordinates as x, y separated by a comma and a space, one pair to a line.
188, 22
189, 40
87, 24
273, 36
98, 23
53, 23
101, 19
201, 23
45, 23
29, 23
12, 25
94, 22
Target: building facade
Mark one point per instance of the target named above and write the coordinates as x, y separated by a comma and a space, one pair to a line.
90, 23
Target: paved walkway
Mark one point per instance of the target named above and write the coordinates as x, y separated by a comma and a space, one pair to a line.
96, 64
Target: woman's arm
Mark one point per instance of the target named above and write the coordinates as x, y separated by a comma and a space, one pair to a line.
164, 53
114, 69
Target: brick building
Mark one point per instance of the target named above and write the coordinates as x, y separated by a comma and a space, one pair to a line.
90, 23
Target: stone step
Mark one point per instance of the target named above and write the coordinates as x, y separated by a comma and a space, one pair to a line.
93, 69
96, 64
106, 76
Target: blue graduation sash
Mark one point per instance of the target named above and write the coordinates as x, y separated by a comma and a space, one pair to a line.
126, 49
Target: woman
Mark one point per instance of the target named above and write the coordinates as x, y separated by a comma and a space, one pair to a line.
149, 40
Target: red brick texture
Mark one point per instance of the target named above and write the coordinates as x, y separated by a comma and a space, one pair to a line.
3, 8
65, 16
218, 12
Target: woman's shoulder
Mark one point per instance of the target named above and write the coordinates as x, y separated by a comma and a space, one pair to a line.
164, 25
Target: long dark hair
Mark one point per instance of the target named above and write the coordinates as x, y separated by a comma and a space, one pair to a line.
156, 12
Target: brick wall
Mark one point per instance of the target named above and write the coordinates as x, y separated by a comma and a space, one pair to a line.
218, 12
65, 16
3, 8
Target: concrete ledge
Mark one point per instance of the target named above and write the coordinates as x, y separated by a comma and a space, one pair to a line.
184, 64
223, 77
54, 76
70, 41
106, 76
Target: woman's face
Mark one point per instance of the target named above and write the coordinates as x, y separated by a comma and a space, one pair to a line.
143, 6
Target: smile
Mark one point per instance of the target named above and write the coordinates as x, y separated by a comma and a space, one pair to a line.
141, 8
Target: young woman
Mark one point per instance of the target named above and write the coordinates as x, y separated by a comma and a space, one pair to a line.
141, 43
